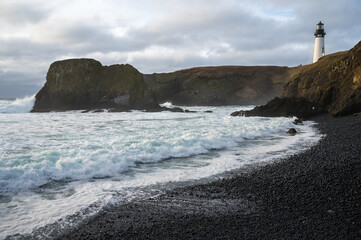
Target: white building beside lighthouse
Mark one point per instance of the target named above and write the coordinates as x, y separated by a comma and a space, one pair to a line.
319, 42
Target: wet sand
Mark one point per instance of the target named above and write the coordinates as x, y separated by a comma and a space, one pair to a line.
312, 195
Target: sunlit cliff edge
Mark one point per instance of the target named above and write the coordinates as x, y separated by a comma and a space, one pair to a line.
331, 85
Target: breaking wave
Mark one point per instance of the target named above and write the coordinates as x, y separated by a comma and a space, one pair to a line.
18, 105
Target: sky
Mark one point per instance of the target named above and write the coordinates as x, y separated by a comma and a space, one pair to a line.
165, 35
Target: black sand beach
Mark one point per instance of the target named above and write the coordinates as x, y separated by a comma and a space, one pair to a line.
312, 195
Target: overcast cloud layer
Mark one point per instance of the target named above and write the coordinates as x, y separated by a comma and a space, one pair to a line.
164, 36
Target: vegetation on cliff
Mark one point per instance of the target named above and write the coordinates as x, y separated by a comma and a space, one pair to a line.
86, 84
223, 85
333, 85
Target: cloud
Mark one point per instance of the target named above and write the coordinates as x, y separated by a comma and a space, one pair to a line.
163, 36
18, 84
19, 14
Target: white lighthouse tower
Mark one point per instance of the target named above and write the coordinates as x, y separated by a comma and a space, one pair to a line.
319, 42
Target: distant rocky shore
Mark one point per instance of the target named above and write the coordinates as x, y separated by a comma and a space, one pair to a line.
332, 85
76, 84
220, 86
86, 84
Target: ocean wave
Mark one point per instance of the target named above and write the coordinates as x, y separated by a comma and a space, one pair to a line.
19, 105
72, 160
36, 150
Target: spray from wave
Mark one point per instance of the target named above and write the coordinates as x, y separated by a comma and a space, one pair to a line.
167, 104
19, 105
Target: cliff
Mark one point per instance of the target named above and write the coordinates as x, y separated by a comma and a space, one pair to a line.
331, 85
86, 84
224, 85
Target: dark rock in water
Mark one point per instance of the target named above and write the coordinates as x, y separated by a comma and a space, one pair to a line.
119, 110
208, 111
237, 113
86, 84
189, 111
94, 111
292, 131
286, 107
175, 109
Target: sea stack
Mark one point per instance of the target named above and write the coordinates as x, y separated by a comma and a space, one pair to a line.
319, 42
76, 84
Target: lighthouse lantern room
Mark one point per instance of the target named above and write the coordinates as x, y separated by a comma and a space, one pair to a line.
319, 42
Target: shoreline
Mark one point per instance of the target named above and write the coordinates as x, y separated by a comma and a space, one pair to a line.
313, 194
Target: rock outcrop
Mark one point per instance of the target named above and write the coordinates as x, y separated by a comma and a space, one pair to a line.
331, 85
223, 85
286, 107
86, 84
292, 131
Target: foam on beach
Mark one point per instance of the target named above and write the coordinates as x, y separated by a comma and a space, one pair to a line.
56, 164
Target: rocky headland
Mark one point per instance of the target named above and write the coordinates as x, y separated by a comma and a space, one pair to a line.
331, 85
218, 86
86, 84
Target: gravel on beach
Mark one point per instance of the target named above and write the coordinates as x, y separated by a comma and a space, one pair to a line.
312, 195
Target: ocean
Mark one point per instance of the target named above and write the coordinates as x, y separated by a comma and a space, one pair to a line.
59, 168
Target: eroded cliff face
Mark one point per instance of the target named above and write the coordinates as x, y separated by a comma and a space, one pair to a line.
333, 84
86, 84
224, 85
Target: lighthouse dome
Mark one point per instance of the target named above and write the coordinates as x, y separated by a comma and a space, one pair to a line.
320, 31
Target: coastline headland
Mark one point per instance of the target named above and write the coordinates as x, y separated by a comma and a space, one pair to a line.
75, 84
333, 85
85, 84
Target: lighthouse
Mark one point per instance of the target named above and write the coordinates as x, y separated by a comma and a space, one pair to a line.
319, 42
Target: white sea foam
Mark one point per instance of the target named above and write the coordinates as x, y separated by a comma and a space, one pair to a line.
55, 164
19, 105
167, 104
